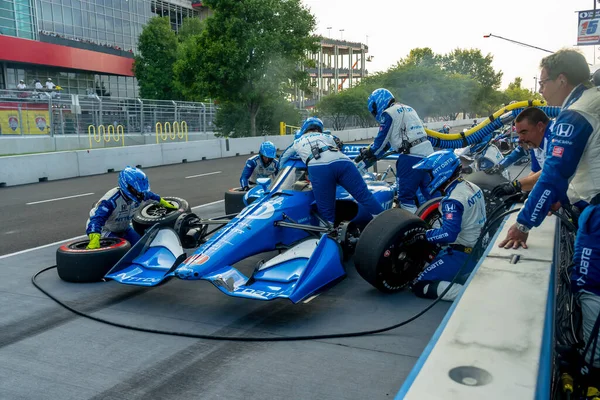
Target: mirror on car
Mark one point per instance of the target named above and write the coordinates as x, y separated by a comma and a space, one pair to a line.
264, 183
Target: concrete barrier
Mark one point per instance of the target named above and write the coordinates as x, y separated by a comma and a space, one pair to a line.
18, 170
173, 153
99, 161
496, 340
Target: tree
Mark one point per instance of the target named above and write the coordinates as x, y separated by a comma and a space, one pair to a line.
153, 65
190, 27
423, 56
248, 52
514, 92
343, 105
233, 118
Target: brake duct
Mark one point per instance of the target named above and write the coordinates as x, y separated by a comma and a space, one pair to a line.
478, 133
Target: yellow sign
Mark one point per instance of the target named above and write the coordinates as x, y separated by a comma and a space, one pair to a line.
34, 122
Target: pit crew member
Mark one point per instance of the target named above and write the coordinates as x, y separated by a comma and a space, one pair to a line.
263, 165
463, 218
534, 130
402, 131
571, 173
112, 214
328, 167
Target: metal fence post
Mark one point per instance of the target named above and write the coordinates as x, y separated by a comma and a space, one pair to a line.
175, 105
20, 119
142, 127
50, 114
204, 119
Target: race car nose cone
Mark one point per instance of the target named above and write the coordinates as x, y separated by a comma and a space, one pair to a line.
184, 273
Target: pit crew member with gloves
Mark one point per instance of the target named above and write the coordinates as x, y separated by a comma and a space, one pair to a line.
572, 170
112, 214
263, 165
327, 168
402, 131
463, 218
445, 129
534, 129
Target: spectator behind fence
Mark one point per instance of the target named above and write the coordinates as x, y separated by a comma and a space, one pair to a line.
21, 85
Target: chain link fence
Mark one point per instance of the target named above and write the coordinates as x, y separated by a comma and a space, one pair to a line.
24, 112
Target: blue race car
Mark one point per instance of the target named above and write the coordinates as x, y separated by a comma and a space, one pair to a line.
283, 217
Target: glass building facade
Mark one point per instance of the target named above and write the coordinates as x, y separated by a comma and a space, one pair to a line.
109, 26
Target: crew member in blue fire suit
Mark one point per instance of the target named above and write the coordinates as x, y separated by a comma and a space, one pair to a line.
571, 173
328, 167
263, 165
112, 214
402, 131
534, 129
463, 218
445, 129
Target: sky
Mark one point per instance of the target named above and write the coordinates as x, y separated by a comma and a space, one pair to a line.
393, 28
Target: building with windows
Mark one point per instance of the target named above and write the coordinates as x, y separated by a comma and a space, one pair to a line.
84, 46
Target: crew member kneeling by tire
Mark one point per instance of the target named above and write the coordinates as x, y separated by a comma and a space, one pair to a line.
463, 218
112, 214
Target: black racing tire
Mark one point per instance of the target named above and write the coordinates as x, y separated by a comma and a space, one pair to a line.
234, 200
393, 234
75, 263
153, 213
430, 212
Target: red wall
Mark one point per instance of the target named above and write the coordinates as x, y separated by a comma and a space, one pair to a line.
33, 52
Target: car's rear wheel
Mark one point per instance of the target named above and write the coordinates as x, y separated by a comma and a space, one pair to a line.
154, 213
430, 212
75, 263
392, 250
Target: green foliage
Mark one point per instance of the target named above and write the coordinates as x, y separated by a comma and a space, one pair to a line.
190, 27
346, 104
153, 65
248, 52
515, 92
233, 119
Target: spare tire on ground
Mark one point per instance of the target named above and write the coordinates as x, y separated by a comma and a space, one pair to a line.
153, 213
392, 250
234, 200
75, 263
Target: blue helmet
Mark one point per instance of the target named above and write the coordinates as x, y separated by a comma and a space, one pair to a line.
312, 123
297, 134
379, 101
441, 166
268, 150
134, 183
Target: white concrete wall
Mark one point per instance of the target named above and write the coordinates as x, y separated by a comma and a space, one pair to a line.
15, 170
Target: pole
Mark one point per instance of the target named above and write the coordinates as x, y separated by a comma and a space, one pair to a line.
535, 87
521, 43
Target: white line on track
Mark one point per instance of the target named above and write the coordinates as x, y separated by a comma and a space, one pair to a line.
198, 176
83, 236
60, 198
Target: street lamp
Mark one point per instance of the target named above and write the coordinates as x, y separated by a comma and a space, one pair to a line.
342, 33
514, 41
535, 78
329, 31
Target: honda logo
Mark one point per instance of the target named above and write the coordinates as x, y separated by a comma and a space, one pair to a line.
563, 130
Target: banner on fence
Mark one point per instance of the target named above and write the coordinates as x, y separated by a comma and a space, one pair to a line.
25, 122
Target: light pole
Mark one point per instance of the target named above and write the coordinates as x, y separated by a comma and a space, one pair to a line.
535, 78
521, 43
329, 31
342, 34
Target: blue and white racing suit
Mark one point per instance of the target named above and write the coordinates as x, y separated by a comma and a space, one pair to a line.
463, 218
255, 168
571, 173
401, 124
112, 215
331, 168
538, 155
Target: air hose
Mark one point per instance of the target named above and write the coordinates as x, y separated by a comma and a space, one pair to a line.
483, 131
479, 243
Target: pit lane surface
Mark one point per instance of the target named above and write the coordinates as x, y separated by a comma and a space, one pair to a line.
50, 353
